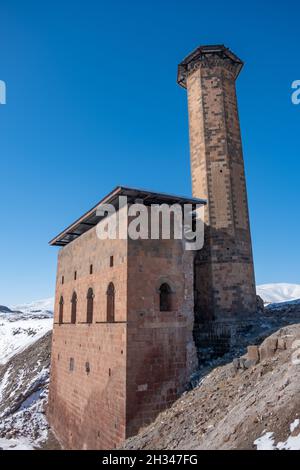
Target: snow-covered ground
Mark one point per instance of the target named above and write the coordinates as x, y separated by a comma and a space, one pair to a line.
15, 444
267, 441
24, 325
28, 425
24, 381
281, 292
15, 336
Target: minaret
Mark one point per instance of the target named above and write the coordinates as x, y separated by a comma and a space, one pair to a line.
224, 273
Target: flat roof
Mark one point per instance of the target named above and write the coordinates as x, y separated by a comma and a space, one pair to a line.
199, 53
90, 219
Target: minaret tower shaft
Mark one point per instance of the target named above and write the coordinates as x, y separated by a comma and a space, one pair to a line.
224, 273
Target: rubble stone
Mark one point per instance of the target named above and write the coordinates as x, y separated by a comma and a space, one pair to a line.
268, 348
281, 344
253, 354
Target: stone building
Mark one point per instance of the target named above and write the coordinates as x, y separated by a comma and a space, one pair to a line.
129, 313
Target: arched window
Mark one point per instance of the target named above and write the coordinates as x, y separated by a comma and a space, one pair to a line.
165, 293
73, 307
90, 306
61, 310
110, 306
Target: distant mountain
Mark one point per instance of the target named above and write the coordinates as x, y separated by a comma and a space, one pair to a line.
280, 292
4, 309
38, 306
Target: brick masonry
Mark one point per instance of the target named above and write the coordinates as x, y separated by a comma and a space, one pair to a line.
87, 408
160, 348
224, 273
139, 364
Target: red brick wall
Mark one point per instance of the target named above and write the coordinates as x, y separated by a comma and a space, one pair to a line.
87, 410
225, 281
139, 364
160, 347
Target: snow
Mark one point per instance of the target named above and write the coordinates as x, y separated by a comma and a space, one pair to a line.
18, 330
4, 382
294, 425
30, 400
15, 444
265, 442
22, 327
45, 305
281, 292
17, 335
24, 395
29, 422
292, 443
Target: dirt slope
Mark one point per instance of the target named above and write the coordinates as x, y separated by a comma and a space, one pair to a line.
23, 396
233, 406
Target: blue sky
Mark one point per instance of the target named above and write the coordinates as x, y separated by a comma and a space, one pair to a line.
92, 102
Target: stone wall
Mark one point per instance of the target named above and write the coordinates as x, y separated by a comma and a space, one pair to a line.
160, 349
224, 274
87, 404
110, 379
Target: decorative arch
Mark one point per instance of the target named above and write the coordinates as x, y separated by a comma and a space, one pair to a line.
61, 310
165, 280
110, 303
165, 297
73, 308
90, 306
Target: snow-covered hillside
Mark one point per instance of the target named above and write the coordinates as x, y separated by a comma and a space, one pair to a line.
24, 373
22, 325
16, 335
38, 306
24, 382
281, 292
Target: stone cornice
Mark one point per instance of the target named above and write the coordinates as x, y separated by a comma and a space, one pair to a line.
208, 57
